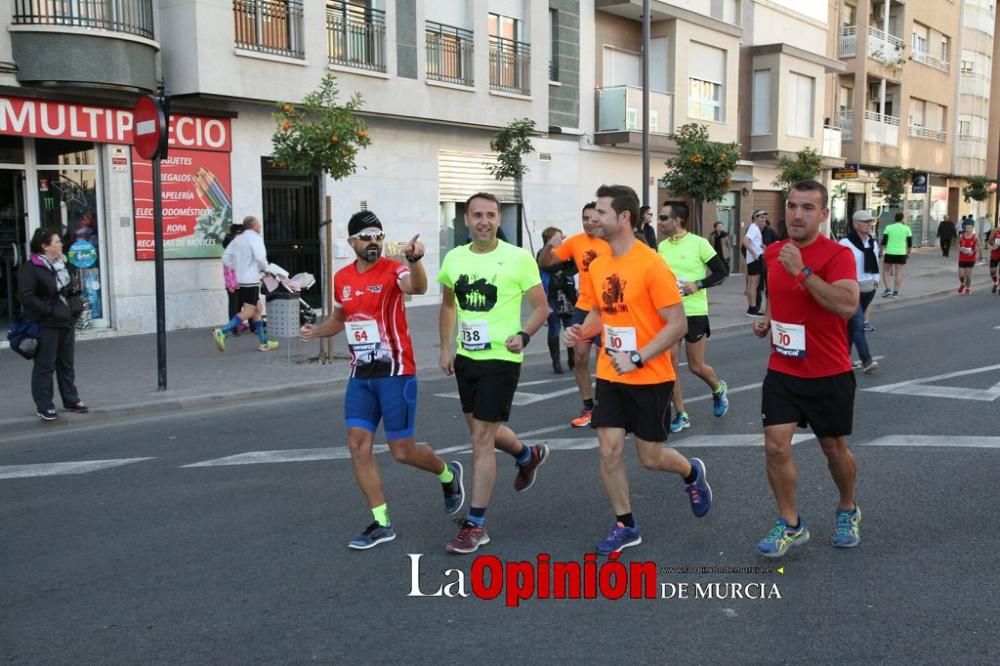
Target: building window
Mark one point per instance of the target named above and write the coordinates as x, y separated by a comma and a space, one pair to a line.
355, 35
554, 45
965, 128
510, 58
967, 67
706, 83
449, 53
269, 26
801, 104
704, 100
761, 102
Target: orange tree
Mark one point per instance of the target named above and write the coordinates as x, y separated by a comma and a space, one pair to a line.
320, 134
701, 168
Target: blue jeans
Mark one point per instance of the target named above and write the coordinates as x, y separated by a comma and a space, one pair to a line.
856, 328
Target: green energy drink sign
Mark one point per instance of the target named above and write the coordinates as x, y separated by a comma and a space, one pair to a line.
196, 190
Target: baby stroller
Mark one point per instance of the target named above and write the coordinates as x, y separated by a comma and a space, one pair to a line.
277, 284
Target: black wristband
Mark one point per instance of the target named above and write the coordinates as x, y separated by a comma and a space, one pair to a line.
525, 338
412, 259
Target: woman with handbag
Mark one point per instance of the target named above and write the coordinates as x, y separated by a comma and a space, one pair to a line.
46, 293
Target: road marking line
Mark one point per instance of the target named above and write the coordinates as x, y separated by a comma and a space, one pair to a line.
921, 387
63, 468
283, 456
944, 441
720, 441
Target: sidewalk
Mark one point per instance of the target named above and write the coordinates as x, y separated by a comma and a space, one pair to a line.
117, 375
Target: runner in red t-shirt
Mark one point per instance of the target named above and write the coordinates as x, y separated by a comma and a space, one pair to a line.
968, 252
383, 384
993, 242
813, 291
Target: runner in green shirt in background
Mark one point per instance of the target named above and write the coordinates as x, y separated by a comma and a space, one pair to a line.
688, 255
482, 287
897, 241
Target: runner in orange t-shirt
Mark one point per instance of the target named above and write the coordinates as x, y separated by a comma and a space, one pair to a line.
582, 248
633, 299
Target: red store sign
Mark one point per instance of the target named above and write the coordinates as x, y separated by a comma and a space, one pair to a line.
80, 122
196, 178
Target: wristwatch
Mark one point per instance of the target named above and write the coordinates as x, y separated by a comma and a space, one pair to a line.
803, 275
636, 359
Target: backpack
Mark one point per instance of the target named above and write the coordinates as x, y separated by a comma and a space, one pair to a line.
23, 338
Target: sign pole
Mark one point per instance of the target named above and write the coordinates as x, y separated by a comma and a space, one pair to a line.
150, 138
161, 308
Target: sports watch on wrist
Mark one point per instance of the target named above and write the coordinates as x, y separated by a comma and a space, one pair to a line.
803, 274
636, 359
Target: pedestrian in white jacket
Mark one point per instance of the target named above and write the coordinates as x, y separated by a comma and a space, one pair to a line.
247, 256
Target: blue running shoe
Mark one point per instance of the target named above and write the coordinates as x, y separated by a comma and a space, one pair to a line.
373, 535
618, 539
720, 401
848, 534
680, 422
699, 492
781, 538
454, 492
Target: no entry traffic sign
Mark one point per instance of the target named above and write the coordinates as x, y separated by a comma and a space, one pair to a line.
150, 131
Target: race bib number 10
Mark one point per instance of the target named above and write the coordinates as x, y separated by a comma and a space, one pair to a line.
788, 339
620, 339
475, 335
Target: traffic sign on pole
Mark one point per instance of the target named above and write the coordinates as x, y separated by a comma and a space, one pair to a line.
150, 125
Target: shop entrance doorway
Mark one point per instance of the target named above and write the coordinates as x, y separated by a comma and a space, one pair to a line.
291, 215
13, 244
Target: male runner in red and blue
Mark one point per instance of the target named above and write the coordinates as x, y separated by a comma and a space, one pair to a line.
383, 383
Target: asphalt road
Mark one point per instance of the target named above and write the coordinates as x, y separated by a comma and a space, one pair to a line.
157, 561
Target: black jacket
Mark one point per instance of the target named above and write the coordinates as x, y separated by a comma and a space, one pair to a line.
38, 292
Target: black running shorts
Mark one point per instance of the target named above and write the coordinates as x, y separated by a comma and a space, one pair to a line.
486, 388
825, 404
641, 409
895, 259
698, 328
756, 267
248, 295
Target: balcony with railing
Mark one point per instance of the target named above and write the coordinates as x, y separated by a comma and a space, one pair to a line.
846, 121
449, 54
848, 44
269, 26
886, 48
975, 84
510, 66
882, 129
972, 147
85, 42
132, 17
619, 115
925, 133
979, 15
832, 138
929, 60
355, 36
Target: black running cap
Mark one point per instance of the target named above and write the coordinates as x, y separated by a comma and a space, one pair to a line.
362, 220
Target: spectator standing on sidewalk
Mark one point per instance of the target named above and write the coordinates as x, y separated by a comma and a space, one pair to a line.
753, 250
560, 290
865, 250
229, 276
44, 290
945, 235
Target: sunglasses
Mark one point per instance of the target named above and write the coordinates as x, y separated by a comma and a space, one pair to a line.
663, 218
370, 236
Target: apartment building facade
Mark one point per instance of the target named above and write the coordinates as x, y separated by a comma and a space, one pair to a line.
438, 78
916, 95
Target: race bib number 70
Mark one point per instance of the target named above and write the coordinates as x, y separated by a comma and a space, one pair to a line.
788, 339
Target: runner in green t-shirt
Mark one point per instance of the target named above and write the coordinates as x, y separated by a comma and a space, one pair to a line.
688, 256
482, 287
897, 241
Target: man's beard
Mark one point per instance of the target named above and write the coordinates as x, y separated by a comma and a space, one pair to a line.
370, 253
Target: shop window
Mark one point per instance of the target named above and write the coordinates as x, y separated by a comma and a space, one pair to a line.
11, 150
